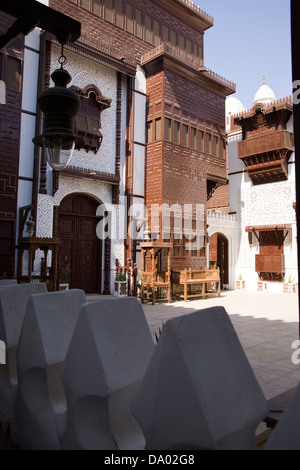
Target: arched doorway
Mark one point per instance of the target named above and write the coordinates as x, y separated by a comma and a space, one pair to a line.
218, 254
80, 247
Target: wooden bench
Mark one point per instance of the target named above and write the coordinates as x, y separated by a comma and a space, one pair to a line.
203, 277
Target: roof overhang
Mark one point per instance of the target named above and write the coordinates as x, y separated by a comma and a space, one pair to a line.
31, 13
268, 228
164, 58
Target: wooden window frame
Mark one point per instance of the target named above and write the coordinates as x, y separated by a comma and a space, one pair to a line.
137, 25
149, 128
119, 13
215, 145
207, 143
112, 11
128, 29
193, 138
158, 131
4, 59
176, 132
185, 135
146, 31
201, 140
168, 135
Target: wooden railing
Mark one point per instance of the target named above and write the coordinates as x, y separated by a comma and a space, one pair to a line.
271, 142
269, 264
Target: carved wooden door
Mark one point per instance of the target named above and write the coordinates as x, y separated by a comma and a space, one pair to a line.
80, 248
223, 258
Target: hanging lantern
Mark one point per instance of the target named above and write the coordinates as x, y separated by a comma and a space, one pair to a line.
60, 105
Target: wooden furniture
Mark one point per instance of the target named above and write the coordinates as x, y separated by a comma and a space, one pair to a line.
158, 274
127, 274
47, 275
204, 277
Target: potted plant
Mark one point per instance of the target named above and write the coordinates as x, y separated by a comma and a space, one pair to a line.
288, 286
240, 283
120, 285
261, 285
64, 277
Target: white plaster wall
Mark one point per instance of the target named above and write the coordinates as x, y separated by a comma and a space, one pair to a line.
123, 139
139, 151
85, 71
140, 118
28, 122
268, 204
26, 145
226, 225
139, 170
140, 80
30, 74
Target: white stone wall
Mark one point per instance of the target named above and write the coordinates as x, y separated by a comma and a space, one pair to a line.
84, 72
227, 225
267, 204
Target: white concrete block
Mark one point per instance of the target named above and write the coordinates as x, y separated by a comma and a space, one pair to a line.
47, 330
199, 391
286, 435
108, 355
13, 303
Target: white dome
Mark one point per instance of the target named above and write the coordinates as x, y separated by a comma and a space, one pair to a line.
264, 95
233, 106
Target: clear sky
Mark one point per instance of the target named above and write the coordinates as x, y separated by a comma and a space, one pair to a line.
250, 39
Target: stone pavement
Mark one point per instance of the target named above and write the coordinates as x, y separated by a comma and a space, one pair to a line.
266, 324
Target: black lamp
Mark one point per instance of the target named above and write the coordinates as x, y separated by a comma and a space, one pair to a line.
60, 106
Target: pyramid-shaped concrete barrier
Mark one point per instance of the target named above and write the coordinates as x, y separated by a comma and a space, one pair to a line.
199, 391
48, 327
8, 282
286, 435
108, 356
13, 303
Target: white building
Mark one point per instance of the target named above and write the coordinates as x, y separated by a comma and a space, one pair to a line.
262, 242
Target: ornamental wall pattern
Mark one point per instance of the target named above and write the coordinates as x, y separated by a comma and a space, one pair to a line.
85, 72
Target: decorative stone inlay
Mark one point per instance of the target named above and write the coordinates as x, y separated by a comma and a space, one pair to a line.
270, 204
84, 72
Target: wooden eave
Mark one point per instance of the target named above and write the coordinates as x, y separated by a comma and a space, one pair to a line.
267, 228
187, 12
84, 49
276, 107
164, 61
76, 172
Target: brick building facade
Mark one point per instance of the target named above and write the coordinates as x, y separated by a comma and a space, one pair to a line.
11, 61
139, 65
